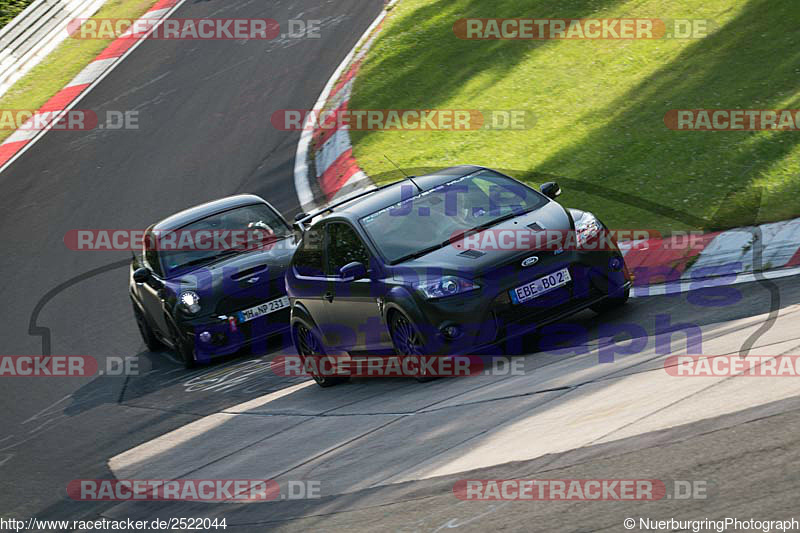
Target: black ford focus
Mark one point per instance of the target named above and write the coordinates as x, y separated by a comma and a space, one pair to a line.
447, 263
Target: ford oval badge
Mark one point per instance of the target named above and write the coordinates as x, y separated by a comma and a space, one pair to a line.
530, 261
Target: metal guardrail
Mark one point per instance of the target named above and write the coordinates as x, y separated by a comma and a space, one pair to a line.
36, 32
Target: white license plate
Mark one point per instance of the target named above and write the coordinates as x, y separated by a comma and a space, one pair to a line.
539, 286
263, 309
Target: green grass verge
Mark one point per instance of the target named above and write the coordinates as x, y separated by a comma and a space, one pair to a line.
64, 63
11, 8
600, 107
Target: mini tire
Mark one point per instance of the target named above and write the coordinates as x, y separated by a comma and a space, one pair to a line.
182, 348
148, 336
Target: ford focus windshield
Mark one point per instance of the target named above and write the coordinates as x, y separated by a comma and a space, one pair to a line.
433, 218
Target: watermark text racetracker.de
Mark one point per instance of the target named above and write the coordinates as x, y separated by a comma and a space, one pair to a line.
171, 240
581, 29
202, 490
67, 120
66, 366
594, 239
733, 365
732, 119
402, 119
396, 367
193, 29
579, 489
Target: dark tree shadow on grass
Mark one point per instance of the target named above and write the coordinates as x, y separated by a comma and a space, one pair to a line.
398, 74
750, 63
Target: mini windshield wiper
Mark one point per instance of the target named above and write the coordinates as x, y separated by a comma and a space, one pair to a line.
209, 259
272, 239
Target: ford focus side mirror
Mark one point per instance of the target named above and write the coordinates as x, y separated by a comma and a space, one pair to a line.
353, 271
550, 189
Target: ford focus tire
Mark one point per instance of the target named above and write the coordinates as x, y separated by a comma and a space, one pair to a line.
408, 342
308, 344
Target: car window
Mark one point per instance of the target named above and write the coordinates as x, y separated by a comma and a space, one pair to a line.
308, 260
253, 225
344, 247
151, 253
434, 216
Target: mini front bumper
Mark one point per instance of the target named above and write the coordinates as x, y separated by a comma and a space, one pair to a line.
224, 335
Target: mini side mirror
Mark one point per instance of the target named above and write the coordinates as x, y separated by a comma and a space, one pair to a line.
141, 275
353, 271
550, 189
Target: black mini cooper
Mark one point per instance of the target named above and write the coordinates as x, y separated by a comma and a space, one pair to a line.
446, 263
210, 279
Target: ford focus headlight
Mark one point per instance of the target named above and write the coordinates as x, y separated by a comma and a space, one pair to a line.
189, 302
587, 228
446, 286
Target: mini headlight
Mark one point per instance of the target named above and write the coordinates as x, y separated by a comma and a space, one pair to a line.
189, 302
447, 286
586, 228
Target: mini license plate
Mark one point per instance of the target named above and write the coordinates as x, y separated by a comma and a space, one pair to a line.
539, 286
263, 309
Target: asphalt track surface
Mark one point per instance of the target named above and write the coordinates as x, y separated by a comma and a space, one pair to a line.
205, 133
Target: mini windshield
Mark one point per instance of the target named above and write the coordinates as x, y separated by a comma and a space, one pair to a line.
231, 232
423, 222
